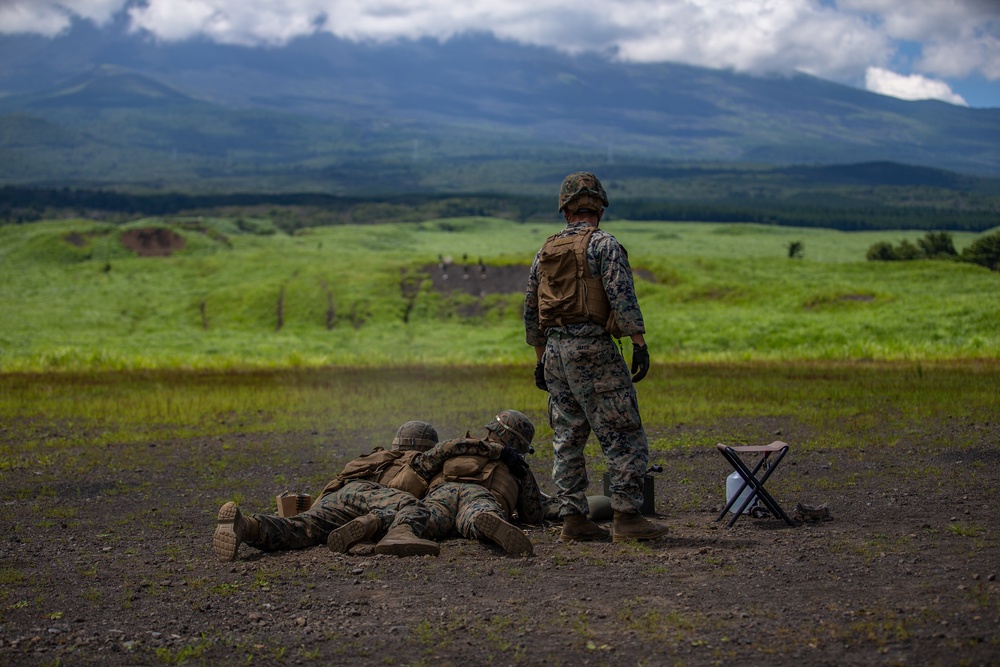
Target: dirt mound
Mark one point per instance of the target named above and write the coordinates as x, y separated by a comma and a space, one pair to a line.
152, 241
478, 279
482, 279
75, 239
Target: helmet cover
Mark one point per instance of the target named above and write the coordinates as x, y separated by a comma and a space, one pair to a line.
415, 435
513, 429
580, 184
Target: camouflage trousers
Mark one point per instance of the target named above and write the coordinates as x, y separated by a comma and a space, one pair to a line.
590, 388
451, 506
333, 510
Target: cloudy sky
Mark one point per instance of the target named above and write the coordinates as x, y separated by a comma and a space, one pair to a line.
912, 49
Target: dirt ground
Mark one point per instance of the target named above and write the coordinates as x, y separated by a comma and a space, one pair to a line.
117, 568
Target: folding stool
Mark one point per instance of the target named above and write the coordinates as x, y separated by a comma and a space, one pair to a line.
732, 455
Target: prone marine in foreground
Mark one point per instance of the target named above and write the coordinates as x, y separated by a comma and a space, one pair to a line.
476, 495
375, 485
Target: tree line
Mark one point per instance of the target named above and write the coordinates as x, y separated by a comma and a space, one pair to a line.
23, 204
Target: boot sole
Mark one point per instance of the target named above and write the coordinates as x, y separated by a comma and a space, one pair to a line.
342, 539
407, 549
643, 537
586, 538
224, 542
513, 540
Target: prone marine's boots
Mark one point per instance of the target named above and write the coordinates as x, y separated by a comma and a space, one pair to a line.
401, 541
356, 530
513, 540
578, 528
231, 529
634, 526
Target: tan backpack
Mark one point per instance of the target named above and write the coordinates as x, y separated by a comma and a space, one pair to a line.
567, 293
387, 467
479, 470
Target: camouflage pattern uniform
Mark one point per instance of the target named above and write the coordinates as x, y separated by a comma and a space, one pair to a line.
356, 498
590, 386
454, 505
333, 510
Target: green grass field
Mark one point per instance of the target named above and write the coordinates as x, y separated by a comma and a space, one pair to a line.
77, 419
710, 293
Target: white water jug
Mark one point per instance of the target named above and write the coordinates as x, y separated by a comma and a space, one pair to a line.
733, 483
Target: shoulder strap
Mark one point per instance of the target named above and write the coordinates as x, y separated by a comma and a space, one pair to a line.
581, 252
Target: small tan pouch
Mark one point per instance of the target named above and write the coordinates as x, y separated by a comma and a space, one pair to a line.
290, 504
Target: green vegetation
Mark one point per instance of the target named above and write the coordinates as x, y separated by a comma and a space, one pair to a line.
984, 251
933, 245
87, 423
75, 298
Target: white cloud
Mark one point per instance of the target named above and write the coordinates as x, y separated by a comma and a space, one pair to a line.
49, 18
18, 17
957, 38
98, 11
245, 22
911, 87
835, 39
744, 35
22, 17
754, 36
961, 57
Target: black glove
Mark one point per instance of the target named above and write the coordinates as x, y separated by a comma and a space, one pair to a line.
640, 362
540, 376
515, 463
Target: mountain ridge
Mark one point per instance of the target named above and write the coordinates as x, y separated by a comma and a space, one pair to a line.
417, 111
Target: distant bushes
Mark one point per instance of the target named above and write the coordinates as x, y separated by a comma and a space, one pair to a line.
984, 251
933, 245
881, 252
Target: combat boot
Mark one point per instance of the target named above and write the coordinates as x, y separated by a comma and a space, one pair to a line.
400, 541
578, 528
231, 530
634, 526
356, 530
512, 539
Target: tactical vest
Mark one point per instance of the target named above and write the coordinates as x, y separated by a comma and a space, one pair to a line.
567, 292
386, 467
479, 470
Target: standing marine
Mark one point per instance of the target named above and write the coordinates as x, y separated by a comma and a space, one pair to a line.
580, 296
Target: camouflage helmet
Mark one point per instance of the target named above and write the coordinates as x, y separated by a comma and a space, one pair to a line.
415, 436
582, 185
513, 429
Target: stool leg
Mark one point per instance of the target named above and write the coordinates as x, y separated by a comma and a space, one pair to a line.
766, 497
750, 479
